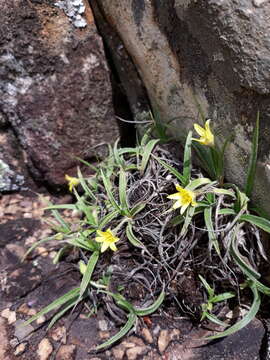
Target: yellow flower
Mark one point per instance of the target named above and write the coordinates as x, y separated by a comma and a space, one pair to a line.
206, 135
107, 239
72, 181
184, 198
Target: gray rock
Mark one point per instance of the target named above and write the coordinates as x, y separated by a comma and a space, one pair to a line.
22, 331
9, 180
55, 87
217, 52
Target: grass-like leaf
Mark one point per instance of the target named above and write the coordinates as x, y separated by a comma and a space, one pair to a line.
68, 305
123, 331
123, 192
171, 169
258, 221
147, 150
214, 319
253, 158
194, 184
187, 159
246, 319
152, 308
84, 185
210, 228
107, 219
132, 238
71, 295
137, 208
108, 187
88, 272
188, 218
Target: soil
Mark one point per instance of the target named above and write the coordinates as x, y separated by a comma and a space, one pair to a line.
28, 286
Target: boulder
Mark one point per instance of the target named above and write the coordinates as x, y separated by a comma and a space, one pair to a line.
215, 53
55, 86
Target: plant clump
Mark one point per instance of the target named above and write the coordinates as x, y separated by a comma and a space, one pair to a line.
138, 243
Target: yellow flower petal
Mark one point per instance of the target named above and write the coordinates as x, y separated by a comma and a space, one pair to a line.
113, 247
174, 196
104, 247
199, 129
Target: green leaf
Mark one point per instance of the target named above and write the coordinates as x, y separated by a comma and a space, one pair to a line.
253, 159
132, 238
147, 150
61, 207
172, 170
258, 221
194, 184
224, 192
60, 254
214, 319
226, 211
123, 331
85, 187
205, 159
187, 159
210, 229
123, 192
108, 186
88, 273
246, 319
107, 219
68, 305
246, 268
137, 208
61, 221
188, 218
71, 295
118, 159
86, 163
207, 287
86, 209
152, 308
222, 297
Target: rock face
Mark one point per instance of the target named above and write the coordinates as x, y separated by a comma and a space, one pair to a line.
55, 86
217, 52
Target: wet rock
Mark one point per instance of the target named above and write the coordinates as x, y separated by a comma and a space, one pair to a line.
66, 352
163, 340
44, 349
55, 87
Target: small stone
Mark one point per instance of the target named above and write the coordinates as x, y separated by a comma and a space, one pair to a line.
156, 330
20, 349
147, 335
163, 340
175, 333
60, 333
103, 325
259, 3
9, 315
14, 342
104, 334
42, 251
41, 319
22, 330
24, 309
118, 353
66, 352
44, 349
134, 352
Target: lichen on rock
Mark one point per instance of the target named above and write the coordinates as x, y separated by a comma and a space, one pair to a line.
74, 9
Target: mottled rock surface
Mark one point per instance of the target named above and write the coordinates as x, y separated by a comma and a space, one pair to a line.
216, 51
55, 86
